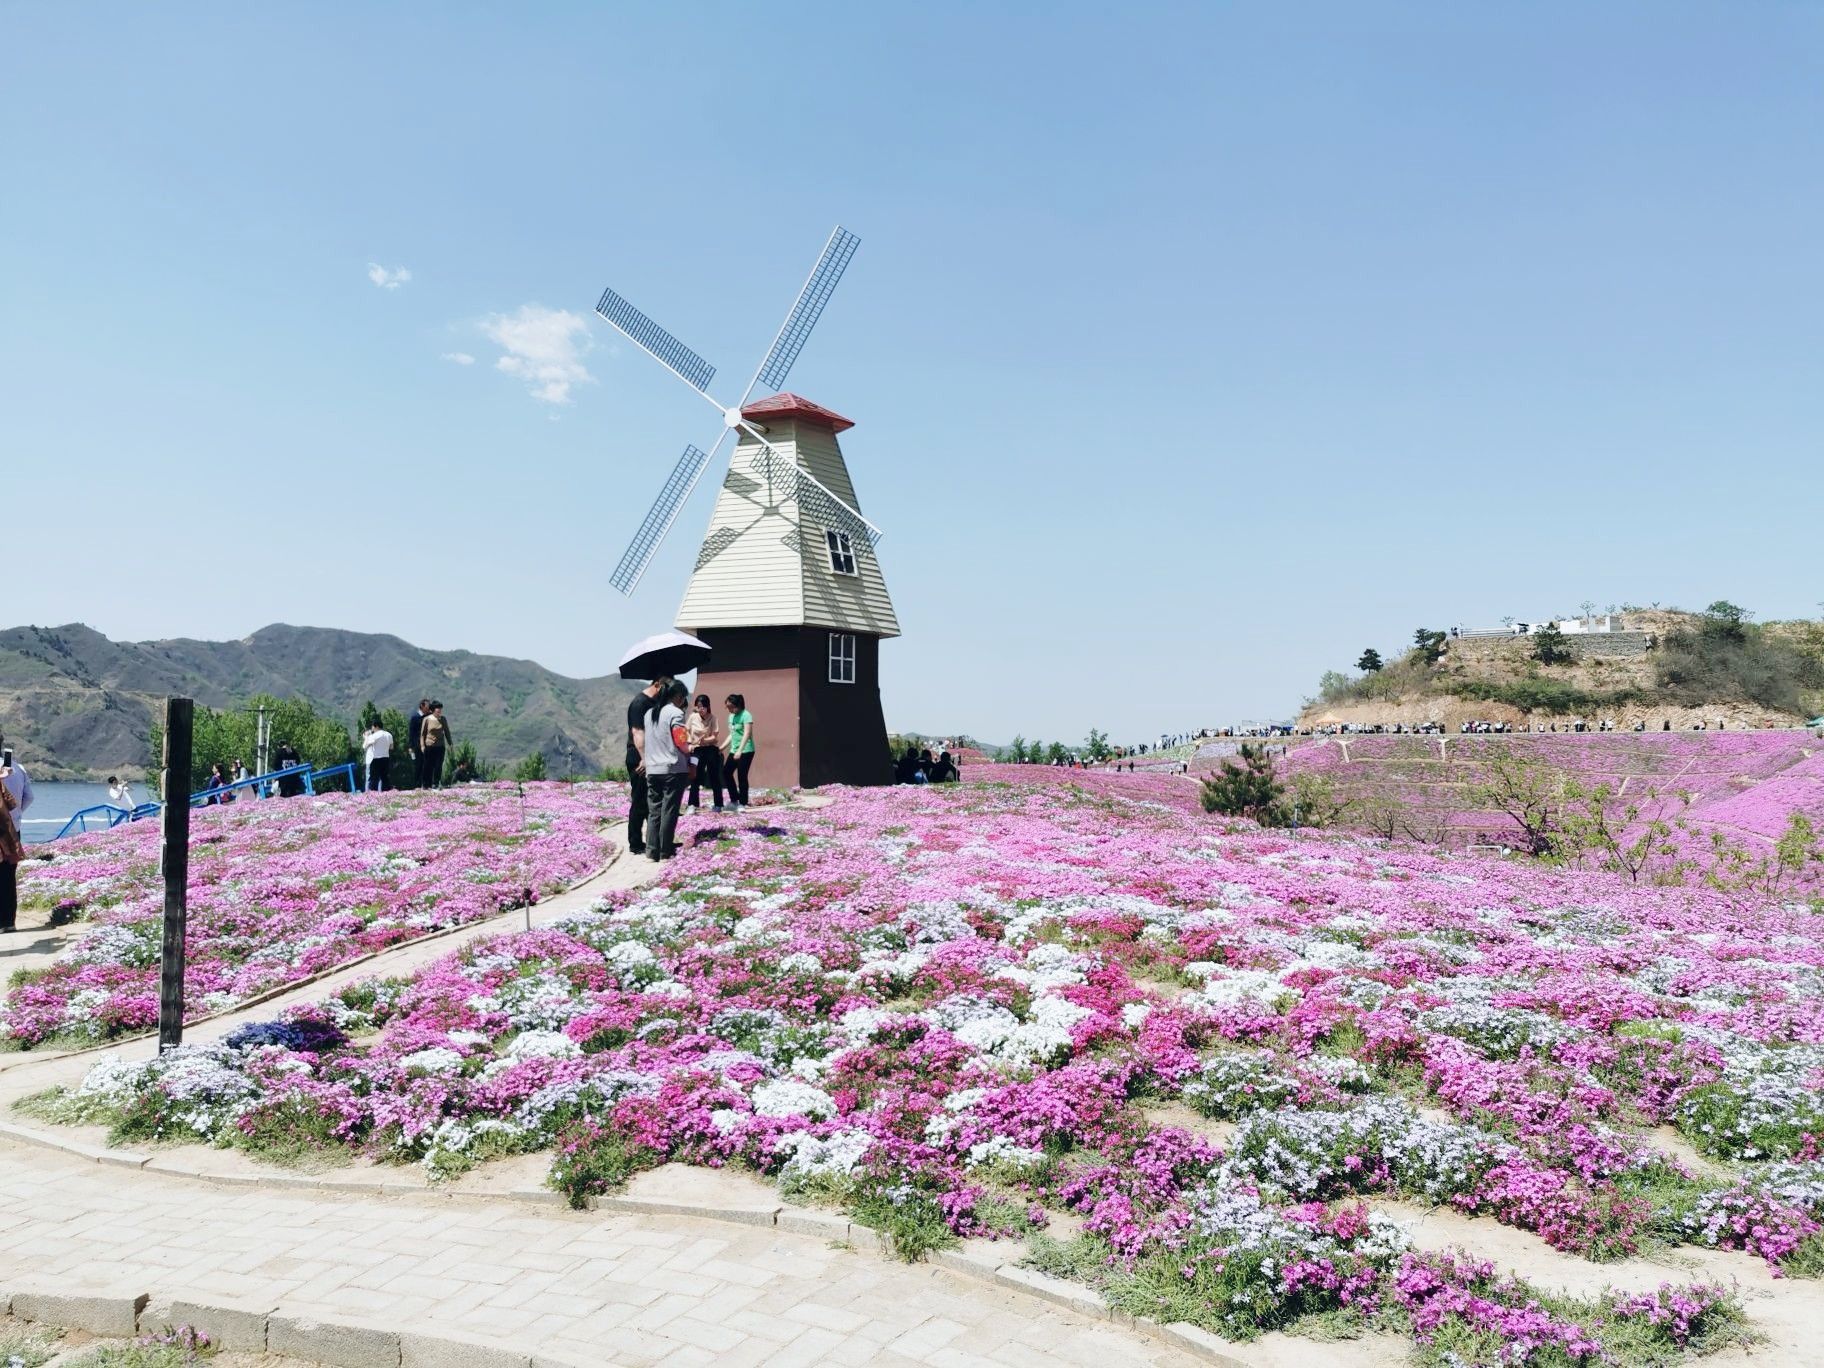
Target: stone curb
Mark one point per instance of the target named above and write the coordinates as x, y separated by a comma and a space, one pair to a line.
253, 1327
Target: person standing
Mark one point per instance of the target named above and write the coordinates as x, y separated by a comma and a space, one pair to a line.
668, 767
287, 757
433, 743
15, 797
217, 782
414, 739
377, 750
700, 726
740, 749
637, 708
241, 776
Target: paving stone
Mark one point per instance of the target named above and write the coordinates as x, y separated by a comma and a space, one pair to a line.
433, 1351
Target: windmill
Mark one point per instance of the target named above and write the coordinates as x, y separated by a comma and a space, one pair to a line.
787, 588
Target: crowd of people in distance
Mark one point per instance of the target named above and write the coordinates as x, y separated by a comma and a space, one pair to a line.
917, 766
676, 748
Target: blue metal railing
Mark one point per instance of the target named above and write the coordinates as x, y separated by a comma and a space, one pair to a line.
107, 815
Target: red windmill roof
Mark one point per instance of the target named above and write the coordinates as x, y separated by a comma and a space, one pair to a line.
796, 406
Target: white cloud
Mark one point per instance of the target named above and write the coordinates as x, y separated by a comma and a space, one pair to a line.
544, 347
460, 358
385, 279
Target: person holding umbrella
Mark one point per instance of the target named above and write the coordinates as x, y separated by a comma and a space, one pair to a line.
661, 659
637, 708
668, 767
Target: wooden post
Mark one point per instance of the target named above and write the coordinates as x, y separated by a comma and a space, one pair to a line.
174, 864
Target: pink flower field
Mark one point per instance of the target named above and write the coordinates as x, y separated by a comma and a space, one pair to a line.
284, 889
1741, 786
1188, 1061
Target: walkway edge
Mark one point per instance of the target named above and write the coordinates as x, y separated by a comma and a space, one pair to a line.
255, 1328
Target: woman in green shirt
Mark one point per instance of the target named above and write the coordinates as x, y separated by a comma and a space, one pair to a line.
740, 749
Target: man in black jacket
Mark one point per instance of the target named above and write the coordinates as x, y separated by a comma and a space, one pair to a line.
415, 731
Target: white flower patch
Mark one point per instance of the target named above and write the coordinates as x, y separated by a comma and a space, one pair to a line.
835, 1156
893, 966
860, 1023
999, 1150
792, 1097
666, 988
79, 1011
1327, 954
112, 1079
801, 963
756, 930
591, 1096
543, 1045
435, 1059
1224, 987
1134, 1014
936, 923
623, 955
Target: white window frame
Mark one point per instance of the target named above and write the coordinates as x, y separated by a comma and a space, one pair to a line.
841, 547
842, 657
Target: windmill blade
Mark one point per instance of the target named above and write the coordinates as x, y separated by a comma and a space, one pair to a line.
649, 336
663, 513
813, 497
818, 288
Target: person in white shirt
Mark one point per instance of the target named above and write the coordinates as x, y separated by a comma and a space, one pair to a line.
18, 786
377, 750
120, 793
668, 766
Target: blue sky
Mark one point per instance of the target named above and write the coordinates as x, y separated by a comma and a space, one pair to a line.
1191, 348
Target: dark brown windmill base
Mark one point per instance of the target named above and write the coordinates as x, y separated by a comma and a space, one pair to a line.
807, 731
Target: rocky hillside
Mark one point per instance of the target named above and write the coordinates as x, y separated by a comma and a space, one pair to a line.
1658, 666
76, 704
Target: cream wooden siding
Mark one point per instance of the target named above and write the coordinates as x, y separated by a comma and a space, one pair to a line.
755, 578
858, 602
759, 567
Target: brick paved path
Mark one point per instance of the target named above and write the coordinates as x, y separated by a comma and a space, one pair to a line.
591, 1287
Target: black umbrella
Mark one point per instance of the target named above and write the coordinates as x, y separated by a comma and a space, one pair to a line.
668, 653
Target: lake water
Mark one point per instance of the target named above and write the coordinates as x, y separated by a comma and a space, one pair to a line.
55, 804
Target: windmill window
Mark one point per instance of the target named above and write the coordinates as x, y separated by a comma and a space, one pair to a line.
842, 551
842, 657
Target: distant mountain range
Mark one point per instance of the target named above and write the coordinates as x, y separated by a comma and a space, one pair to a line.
77, 705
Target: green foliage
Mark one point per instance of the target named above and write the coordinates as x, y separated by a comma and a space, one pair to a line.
28, 1346
1015, 751
593, 1159
1428, 645
1369, 661
1249, 789
1549, 646
464, 755
1727, 659
1536, 693
1528, 791
909, 1217
1097, 747
1726, 620
181, 1347
531, 769
1056, 753
228, 735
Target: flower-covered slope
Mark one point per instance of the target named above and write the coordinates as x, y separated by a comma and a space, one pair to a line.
966, 1011
283, 889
